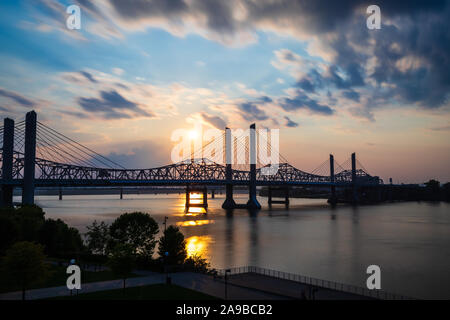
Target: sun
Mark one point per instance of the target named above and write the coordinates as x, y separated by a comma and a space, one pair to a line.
193, 134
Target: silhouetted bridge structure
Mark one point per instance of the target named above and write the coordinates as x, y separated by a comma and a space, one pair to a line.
35, 155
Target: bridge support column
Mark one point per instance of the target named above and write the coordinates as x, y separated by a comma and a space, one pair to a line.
269, 196
6, 196
205, 197
286, 197
203, 191
60, 193
333, 198
252, 200
278, 193
30, 157
229, 201
354, 180
121, 193
188, 197
212, 194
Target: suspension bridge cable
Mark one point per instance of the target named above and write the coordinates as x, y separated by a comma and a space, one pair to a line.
78, 144
48, 144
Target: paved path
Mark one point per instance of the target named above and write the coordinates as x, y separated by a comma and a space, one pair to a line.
199, 282
216, 288
85, 288
288, 288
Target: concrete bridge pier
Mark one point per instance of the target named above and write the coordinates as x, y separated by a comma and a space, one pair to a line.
6, 195
203, 190
252, 200
30, 157
60, 193
121, 193
212, 194
285, 201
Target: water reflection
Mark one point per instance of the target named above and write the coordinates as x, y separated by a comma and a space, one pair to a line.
195, 198
193, 223
198, 245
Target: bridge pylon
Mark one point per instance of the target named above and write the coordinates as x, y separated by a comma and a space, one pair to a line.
354, 180
6, 196
229, 201
252, 200
30, 158
333, 198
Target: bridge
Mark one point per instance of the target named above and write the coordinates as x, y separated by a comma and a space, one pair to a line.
35, 155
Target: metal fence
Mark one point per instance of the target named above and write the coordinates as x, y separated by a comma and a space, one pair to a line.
320, 283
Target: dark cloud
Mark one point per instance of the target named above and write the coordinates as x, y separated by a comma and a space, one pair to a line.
215, 121
254, 110
411, 51
290, 123
302, 101
88, 76
352, 95
137, 9
251, 111
112, 105
17, 97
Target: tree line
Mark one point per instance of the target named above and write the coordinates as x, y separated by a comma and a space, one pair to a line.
28, 240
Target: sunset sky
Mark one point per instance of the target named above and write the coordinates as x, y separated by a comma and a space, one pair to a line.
138, 70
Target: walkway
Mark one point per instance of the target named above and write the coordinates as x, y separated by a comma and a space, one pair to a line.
199, 282
288, 288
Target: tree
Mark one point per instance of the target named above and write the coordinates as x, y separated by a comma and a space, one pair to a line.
136, 229
97, 237
121, 261
433, 185
59, 239
28, 220
198, 264
24, 264
174, 244
9, 233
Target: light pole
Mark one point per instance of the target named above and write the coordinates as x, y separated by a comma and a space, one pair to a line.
165, 223
226, 283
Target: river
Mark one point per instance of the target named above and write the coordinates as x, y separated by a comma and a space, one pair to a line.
410, 241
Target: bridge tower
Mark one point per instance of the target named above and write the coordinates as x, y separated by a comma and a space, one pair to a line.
30, 158
229, 201
333, 199
252, 201
6, 196
354, 180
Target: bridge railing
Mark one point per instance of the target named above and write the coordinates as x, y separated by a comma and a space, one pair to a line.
320, 283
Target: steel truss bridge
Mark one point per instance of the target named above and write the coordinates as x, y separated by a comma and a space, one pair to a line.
35, 155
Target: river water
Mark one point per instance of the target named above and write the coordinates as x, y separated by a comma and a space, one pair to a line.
409, 241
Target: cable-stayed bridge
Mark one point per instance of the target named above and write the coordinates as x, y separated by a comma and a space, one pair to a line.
35, 155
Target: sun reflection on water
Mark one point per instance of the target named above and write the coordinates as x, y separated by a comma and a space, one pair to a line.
192, 223
198, 245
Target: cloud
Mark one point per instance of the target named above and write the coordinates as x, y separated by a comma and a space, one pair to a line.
290, 123
302, 101
17, 98
88, 76
141, 154
214, 121
112, 105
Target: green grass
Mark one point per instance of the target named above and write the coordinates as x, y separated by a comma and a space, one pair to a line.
58, 277
150, 292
